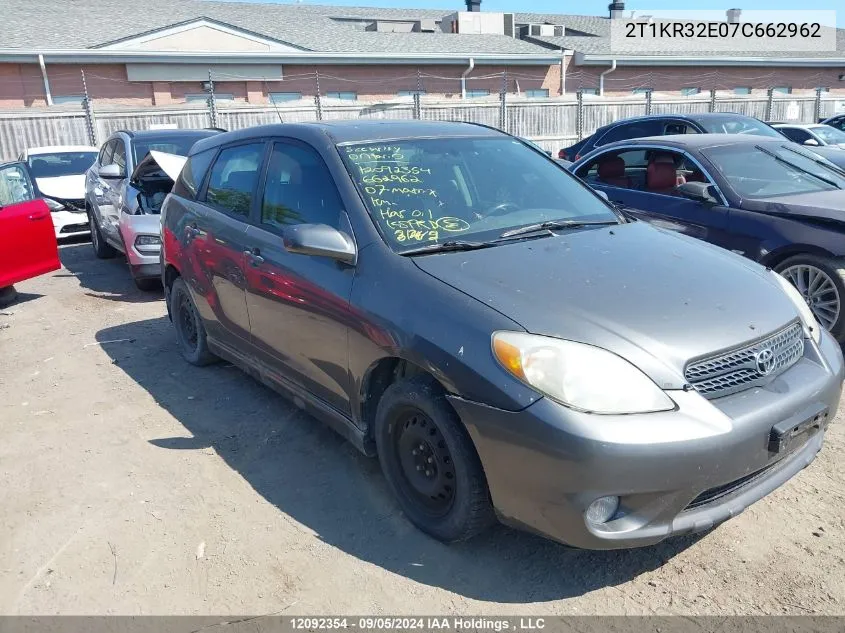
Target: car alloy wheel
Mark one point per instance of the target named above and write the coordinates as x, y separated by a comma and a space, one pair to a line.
818, 291
427, 469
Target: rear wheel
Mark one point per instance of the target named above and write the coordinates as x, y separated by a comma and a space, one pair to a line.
430, 462
8, 295
102, 249
821, 281
190, 332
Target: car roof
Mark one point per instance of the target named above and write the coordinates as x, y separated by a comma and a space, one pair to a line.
54, 149
354, 131
686, 116
698, 141
803, 126
141, 135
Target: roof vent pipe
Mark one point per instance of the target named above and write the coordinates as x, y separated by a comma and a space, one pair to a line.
616, 8
733, 15
473, 5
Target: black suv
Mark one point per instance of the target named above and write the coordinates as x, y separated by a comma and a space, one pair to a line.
665, 124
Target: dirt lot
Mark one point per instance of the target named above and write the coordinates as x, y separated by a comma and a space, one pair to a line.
133, 483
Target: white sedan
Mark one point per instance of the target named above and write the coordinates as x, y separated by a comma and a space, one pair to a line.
59, 175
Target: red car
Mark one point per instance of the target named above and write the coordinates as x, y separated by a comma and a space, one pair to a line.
27, 239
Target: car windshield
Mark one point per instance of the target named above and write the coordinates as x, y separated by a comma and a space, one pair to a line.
423, 192
179, 145
772, 169
61, 164
829, 135
733, 124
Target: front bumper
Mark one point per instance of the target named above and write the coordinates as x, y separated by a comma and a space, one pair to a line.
70, 224
144, 263
675, 472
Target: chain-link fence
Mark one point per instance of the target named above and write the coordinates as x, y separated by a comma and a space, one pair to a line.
551, 122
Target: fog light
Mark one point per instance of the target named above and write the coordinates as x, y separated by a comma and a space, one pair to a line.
148, 243
602, 510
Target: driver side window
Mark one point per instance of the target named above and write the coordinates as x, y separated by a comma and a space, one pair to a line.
14, 185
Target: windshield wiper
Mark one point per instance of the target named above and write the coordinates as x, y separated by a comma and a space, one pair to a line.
554, 225
832, 183
450, 245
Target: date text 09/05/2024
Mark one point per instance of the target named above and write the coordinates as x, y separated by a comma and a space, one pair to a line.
386, 623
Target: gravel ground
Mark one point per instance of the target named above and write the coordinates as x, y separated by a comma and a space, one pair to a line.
133, 483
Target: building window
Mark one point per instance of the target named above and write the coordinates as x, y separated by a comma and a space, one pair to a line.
640, 91
690, 92
279, 97
537, 93
410, 93
784, 90
202, 97
68, 99
590, 91
472, 94
742, 90
345, 95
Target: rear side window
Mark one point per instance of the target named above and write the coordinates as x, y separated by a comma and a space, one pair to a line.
233, 179
193, 172
626, 131
795, 134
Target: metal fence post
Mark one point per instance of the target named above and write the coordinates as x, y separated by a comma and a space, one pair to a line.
88, 108
318, 100
817, 109
579, 114
503, 103
712, 99
648, 101
212, 102
417, 106
770, 103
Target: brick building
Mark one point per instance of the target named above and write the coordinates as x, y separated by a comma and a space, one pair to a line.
160, 52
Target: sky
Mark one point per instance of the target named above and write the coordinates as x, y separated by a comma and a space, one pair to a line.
596, 7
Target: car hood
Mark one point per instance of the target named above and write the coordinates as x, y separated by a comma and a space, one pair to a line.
657, 298
823, 205
67, 187
831, 153
159, 165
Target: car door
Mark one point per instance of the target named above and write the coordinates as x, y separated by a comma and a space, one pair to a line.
112, 191
216, 242
299, 304
669, 209
27, 240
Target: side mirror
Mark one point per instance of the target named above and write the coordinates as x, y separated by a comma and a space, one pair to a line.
698, 191
110, 171
602, 194
320, 240
811, 142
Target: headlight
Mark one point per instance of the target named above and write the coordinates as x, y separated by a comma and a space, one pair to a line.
808, 319
580, 376
54, 205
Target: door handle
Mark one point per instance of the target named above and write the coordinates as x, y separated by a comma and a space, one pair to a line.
254, 256
39, 216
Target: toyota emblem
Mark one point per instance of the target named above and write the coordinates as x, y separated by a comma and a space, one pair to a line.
765, 360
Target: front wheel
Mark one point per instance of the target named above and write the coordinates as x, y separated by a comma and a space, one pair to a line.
102, 249
430, 462
8, 294
821, 281
190, 331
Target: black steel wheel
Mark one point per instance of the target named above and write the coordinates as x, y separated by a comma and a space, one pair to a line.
430, 462
190, 331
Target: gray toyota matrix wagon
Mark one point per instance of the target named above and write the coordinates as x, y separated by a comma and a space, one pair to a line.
509, 345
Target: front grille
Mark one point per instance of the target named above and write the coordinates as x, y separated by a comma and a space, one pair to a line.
74, 228
739, 369
72, 204
714, 494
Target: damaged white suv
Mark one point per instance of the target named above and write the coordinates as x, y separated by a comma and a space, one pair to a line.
124, 191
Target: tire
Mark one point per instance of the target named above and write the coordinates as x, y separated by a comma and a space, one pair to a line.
8, 294
102, 249
147, 284
415, 426
190, 331
830, 287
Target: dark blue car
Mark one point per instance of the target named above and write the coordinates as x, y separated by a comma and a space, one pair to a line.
765, 198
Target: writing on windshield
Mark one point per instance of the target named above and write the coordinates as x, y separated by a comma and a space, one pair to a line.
403, 194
